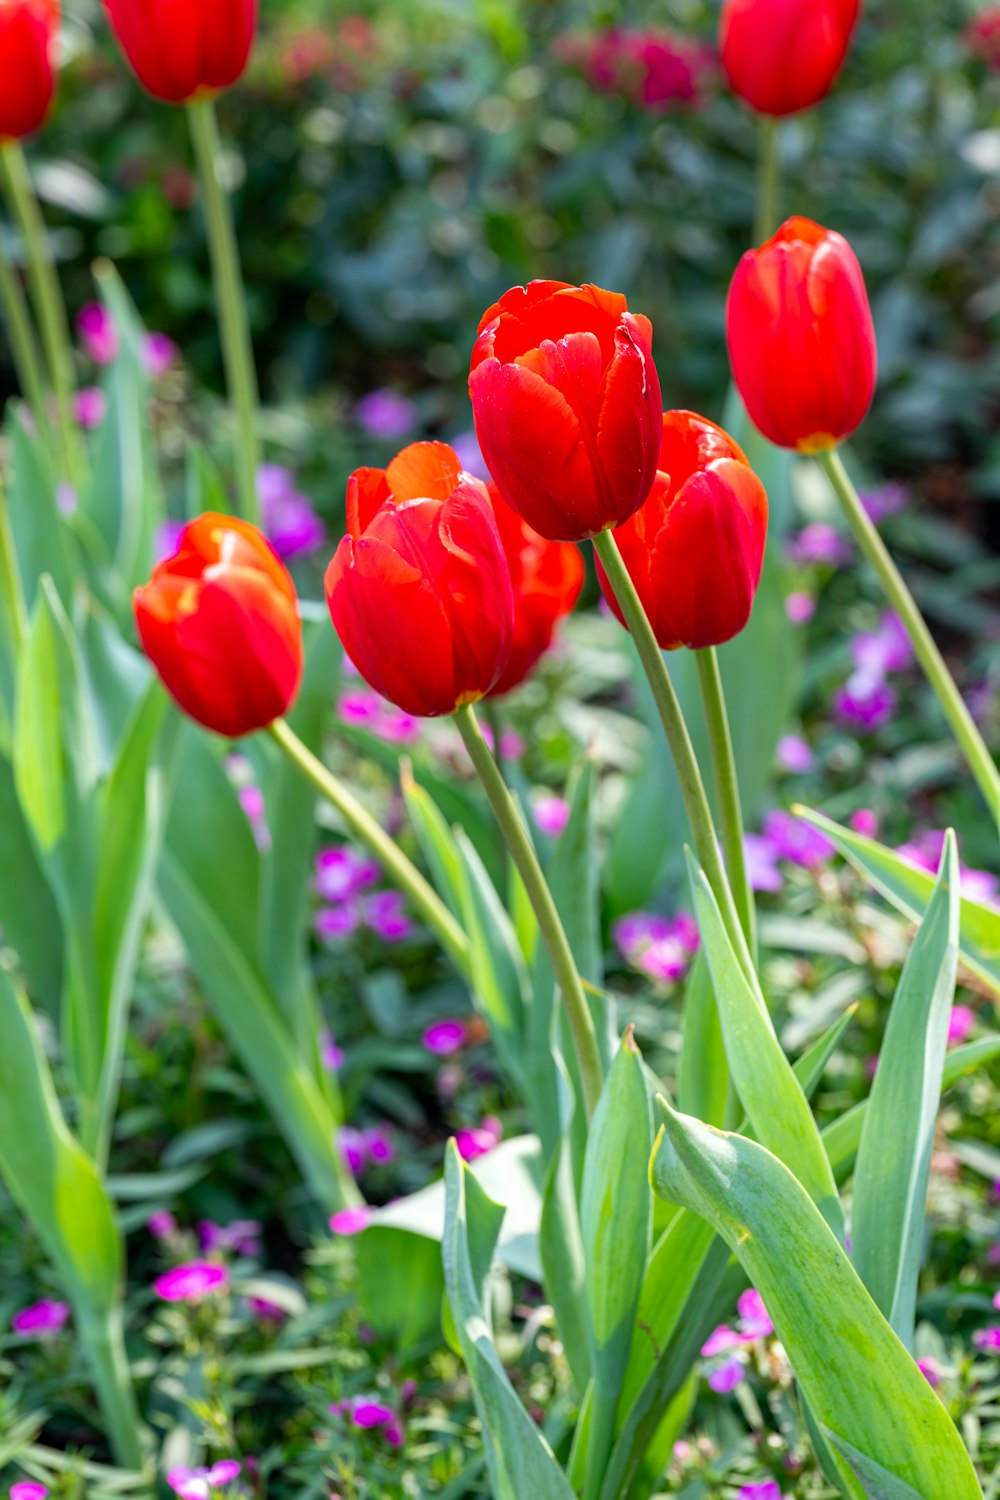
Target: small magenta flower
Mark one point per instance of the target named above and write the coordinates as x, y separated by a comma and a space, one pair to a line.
755, 1323
726, 1375
865, 703
960, 1023
445, 1038
331, 1055
931, 1371
162, 1224
201, 1484
819, 544
41, 1318
800, 608
794, 754
342, 873
480, 1140
98, 333
290, 521
242, 1236
351, 1220
386, 414
765, 1489
90, 407
26, 1489
159, 354
372, 1416
795, 840
335, 922
192, 1282
720, 1341
352, 1149
865, 822
380, 1146
385, 914
987, 1340
265, 1311
551, 815
885, 500
761, 856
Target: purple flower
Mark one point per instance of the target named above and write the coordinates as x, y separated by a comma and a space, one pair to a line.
664, 960
192, 1282
887, 649
242, 1236
762, 862
551, 815
98, 333
198, 1484
794, 754
265, 1311
372, 1416
865, 822
352, 1149
765, 1489
866, 703
755, 1322
720, 1341
445, 1038
931, 1371
342, 873
470, 455
159, 354
960, 1023
480, 1140
633, 933
290, 521
26, 1489
366, 710
726, 1375
987, 1339
162, 1224
351, 1220
795, 840
43, 1317
979, 885
380, 1146
333, 922
819, 543
90, 407
386, 414
885, 500
800, 608
385, 914
332, 1056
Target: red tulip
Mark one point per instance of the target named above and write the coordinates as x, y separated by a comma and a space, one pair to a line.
801, 338
219, 621
28, 31
567, 406
184, 49
783, 55
696, 548
419, 589
547, 578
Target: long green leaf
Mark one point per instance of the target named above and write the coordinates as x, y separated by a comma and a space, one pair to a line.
894, 1157
857, 1377
877, 1483
499, 978
702, 1070
520, 1461
909, 890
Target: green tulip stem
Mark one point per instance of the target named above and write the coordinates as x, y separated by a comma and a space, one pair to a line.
400, 870
230, 297
768, 180
553, 934
963, 725
692, 786
50, 310
23, 344
727, 790
12, 600
104, 1346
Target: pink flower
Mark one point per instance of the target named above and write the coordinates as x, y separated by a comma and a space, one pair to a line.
367, 710
885, 500
380, 1146
761, 856
290, 521
384, 913
90, 406
819, 543
931, 1371
386, 414
664, 960
372, 1416
333, 922
98, 333
755, 1322
161, 1224
341, 872
865, 703
159, 353
796, 840
864, 821
331, 1055
242, 1236
352, 1149
265, 1311
726, 1375
445, 1038
800, 608
192, 1282
480, 1140
794, 754
551, 815
351, 1220
960, 1023
987, 1340
766, 1489
43, 1317
886, 649
720, 1341
199, 1484
26, 1489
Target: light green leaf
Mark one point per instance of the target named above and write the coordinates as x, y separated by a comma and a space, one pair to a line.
877, 1483
29, 916
909, 890
498, 976
41, 538
521, 1463
857, 1377
894, 1157
702, 1070
436, 840
771, 1094
400, 1285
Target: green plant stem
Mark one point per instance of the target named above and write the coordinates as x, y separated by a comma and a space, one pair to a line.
768, 180
230, 297
727, 791
11, 590
581, 1022
400, 870
50, 310
23, 344
963, 726
104, 1345
692, 786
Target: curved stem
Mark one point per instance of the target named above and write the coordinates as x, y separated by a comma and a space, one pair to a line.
727, 790
400, 870
688, 772
230, 297
768, 180
581, 1022
963, 725
46, 292
23, 344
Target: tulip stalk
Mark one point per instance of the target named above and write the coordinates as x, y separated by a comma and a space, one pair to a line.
727, 791
963, 725
234, 323
768, 179
397, 866
505, 810
11, 588
50, 308
103, 1341
678, 739
23, 344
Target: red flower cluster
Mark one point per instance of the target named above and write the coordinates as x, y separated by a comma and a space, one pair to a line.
982, 36
784, 55
653, 67
28, 33
187, 49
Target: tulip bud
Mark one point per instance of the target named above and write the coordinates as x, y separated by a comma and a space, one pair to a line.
801, 338
188, 49
419, 590
219, 621
28, 32
784, 55
696, 548
566, 401
546, 577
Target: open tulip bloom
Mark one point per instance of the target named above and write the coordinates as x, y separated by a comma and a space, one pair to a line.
28, 31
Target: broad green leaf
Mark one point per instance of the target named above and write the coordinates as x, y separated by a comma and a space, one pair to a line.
909, 890
520, 1461
41, 538
400, 1285
877, 1483
856, 1376
29, 916
702, 1069
649, 1478
769, 1091
616, 1218
564, 1264
894, 1157
436, 840
498, 976
812, 1064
